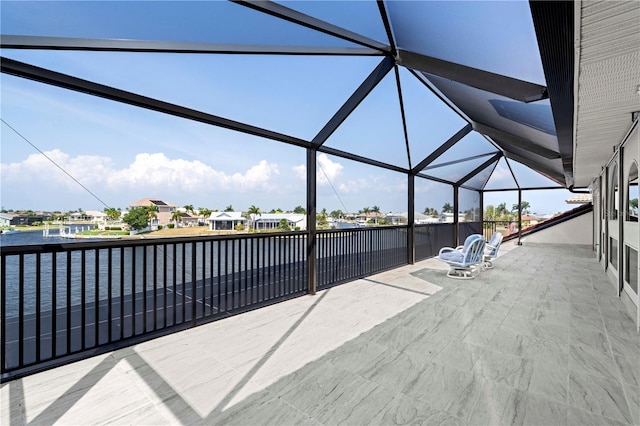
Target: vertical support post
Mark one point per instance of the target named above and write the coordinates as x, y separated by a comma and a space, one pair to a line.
519, 216
607, 214
311, 221
456, 223
411, 222
622, 210
482, 230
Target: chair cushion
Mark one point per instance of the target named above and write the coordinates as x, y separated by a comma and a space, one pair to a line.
452, 256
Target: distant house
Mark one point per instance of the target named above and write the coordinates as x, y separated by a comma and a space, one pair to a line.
95, 216
371, 216
27, 220
446, 217
187, 220
268, 221
165, 210
403, 218
528, 220
225, 221
5, 219
78, 216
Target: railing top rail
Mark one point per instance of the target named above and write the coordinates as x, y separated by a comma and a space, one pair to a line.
106, 244
424, 225
360, 229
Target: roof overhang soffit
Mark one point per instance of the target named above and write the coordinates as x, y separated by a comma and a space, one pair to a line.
512, 88
554, 25
504, 140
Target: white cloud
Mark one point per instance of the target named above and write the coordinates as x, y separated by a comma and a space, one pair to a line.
331, 169
326, 169
147, 172
501, 174
354, 185
300, 171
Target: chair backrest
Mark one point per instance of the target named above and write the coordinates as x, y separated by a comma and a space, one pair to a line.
494, 244
474, 252
470, 239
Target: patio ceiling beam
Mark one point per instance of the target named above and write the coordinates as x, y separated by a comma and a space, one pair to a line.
536, 166
458, 161
20, 69
442, 148
120, 45
360, 159
513, 175
503, 138
435, 179
509, 87
478, 169
387, 26
283, 12
403, 115
354, 100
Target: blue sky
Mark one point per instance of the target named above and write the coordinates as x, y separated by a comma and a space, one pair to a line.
122, 153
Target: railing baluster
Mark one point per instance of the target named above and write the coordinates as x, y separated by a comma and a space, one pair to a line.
20, 310
194, 299
54, 304
68, 303
144, 288
184, 283
121, 335
110, 294
134, 283
3, 312
83, 299
164, 287
38, 335
96, 298
155, 287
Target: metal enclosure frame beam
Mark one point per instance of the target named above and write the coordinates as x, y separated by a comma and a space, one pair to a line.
152, 46
478, 169
283, 12
20, 69
442, 148
354, 100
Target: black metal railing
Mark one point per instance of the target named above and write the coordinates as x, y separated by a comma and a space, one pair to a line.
430, 238
347, 254
61, 301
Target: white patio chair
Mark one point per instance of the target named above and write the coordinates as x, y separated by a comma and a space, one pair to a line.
491, 250
464, 261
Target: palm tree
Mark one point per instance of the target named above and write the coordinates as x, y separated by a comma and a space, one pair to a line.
447, 208
152, 212
376, 210
176, 217
113, 214
254, 211
205, 213
229, 208
501, 210
188, 208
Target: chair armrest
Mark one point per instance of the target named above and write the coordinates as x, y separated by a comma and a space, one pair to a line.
446, 250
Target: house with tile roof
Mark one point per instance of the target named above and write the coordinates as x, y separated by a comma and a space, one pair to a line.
165, 210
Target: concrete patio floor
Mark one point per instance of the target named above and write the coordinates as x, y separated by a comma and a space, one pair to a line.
540, 339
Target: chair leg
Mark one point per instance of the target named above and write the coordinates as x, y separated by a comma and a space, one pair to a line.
461, 273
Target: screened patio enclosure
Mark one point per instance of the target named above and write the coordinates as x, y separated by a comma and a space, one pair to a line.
453, 97
456, 99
